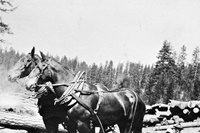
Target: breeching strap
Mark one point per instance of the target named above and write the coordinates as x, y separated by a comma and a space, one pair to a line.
134, 111
90, 110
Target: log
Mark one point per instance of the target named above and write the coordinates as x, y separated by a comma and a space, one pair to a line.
7, 130
150, 119
22, 122
186, 111
181, 125
162, 113
182, 105
196, 110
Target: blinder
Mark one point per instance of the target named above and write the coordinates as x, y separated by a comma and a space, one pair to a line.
30, 63
41, 72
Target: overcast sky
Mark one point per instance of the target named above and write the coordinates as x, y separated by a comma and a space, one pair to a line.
100, 30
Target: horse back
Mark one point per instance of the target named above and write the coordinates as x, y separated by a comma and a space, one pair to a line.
117, 105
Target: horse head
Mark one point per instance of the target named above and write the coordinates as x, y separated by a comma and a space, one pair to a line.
24, 66
48, 70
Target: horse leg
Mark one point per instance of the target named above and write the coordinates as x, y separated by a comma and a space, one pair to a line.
138, 120
124, 127
84, 127
51, 125
129, 127
71, 126
100, 130
138, 124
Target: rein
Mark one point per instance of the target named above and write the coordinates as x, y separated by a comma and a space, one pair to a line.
90, 110
72, 87
78, 90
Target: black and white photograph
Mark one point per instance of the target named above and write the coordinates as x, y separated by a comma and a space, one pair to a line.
100, 66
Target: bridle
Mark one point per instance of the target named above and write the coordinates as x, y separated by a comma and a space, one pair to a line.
41, 72
31, 63
38, 75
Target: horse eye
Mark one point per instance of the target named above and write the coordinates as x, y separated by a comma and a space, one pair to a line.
22, 60
21, 68
38, 67
29, 60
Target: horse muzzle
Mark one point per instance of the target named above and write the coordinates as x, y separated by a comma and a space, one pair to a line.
13, 77
30, 84
31, 87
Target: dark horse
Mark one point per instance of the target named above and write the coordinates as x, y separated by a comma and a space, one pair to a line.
122, 107
52, 114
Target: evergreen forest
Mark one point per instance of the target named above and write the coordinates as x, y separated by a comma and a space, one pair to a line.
170, 77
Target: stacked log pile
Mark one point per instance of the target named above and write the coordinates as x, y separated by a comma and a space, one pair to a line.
155, 114
20, 116
175, 112
188, 111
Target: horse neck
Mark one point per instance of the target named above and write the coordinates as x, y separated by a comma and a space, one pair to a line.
61, 76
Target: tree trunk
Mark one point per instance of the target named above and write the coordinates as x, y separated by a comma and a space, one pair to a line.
182, 125
22, 122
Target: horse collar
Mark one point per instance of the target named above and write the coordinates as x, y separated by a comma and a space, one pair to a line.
44, 90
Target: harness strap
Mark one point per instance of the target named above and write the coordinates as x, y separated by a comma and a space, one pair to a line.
90, 110
40, 92
99, 102
44, 90
72, 86
133, 111
49, 84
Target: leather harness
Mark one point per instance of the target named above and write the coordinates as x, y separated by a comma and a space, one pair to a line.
76, 86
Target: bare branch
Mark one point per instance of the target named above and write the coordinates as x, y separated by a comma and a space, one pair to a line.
7, 10
6, 2
6, 6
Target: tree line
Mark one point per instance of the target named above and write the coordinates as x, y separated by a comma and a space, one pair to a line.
171, 76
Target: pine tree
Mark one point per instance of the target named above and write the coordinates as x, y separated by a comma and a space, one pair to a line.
144, 78
1, 56
195, 60
5, 6
110, 74
64, 60
181, 74
150, 93
93, 73
99, 74
82, 66
135, 71
74, 64
119, 70
164, 73
144, 81
195, 73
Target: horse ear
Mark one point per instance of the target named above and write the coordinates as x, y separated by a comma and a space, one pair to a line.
33, 52
43, 56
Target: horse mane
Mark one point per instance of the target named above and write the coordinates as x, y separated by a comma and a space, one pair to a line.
37, 56
69, 69
64, 66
